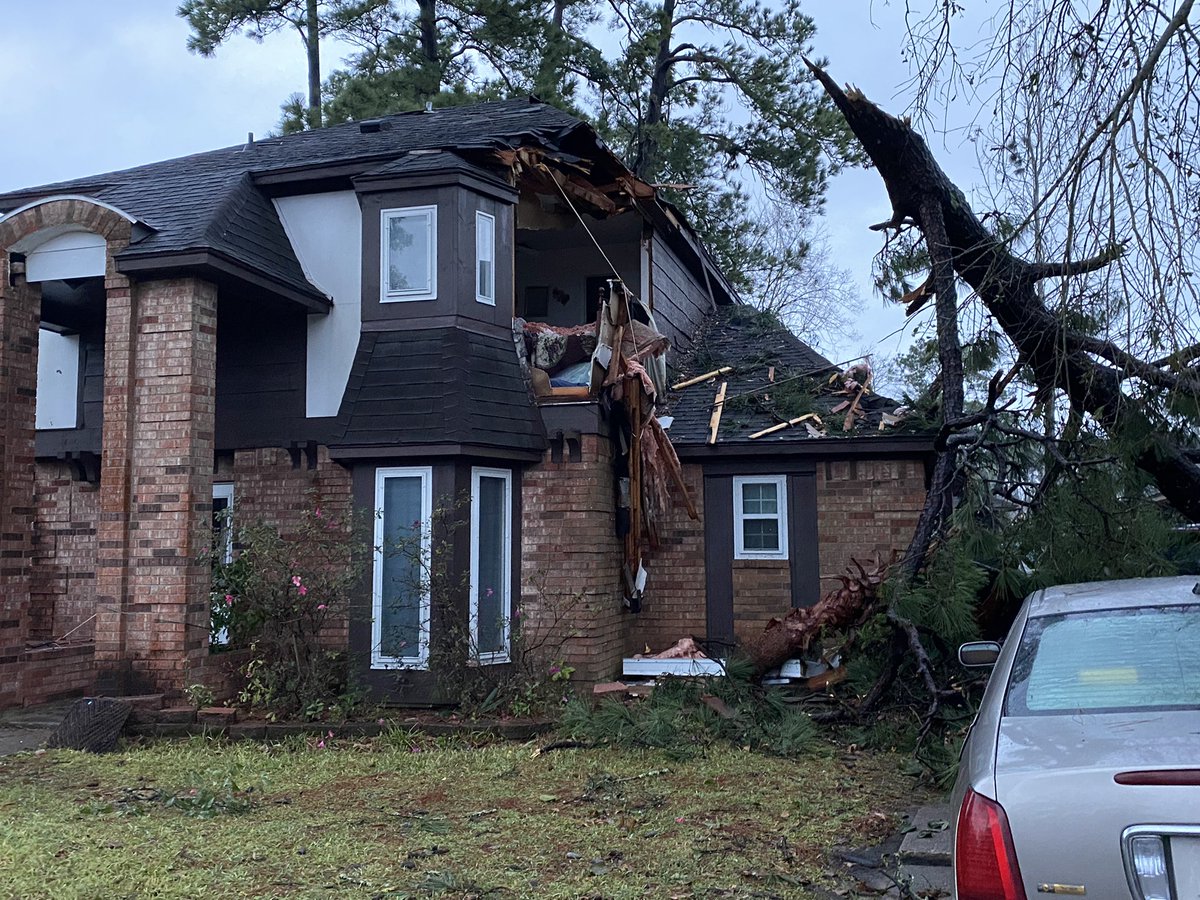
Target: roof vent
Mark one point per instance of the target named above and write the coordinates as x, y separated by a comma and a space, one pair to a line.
1196, 589
371, 126
428, 106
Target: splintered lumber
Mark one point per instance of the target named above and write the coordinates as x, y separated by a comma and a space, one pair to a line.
787, 424
792, 634
714, 421
667, 449
724, 370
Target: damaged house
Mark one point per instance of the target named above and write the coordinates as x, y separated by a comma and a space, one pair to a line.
476, 302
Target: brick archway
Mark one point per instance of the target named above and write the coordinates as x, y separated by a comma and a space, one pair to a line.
155, 472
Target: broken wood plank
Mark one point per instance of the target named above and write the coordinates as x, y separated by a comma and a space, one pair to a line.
724, 370
783, 425
674, 467
714, 421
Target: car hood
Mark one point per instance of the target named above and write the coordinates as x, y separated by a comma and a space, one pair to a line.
1054, 778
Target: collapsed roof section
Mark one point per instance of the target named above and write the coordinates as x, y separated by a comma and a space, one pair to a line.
751, 384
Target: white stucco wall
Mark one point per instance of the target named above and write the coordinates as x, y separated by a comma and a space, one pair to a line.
326, 233
57, 403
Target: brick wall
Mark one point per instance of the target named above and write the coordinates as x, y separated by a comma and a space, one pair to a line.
63, 582
267, 488
571, 561
762, 588
674, 606
156, 482
866, 509
20, 311
25, 677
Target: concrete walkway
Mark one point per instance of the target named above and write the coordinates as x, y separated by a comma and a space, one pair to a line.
28, 728
915, 863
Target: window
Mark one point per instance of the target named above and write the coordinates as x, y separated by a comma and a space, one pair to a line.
491, 563
57, 401
400, 590
760, 517
222, 524
485, 258
409, 254
1109, 660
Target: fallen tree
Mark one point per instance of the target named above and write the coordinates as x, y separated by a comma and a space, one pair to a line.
1090, 372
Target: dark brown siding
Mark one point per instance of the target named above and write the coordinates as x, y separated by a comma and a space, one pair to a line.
260, 374
680, 299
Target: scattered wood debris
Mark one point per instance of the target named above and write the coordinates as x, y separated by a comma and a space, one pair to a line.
707, 376
714, 422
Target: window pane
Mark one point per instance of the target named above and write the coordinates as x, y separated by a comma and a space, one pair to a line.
1115, 659
760, 499
409, 252
485, 254
491, 579
485, 278
402, 591
760, 534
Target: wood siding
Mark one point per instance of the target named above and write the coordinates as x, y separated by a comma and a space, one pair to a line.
680, 299
260, 374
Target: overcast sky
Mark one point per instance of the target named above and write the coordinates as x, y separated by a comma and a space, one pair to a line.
94, 86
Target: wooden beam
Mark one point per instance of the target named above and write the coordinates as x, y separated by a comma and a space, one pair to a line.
724, 370
787, 424
714, 421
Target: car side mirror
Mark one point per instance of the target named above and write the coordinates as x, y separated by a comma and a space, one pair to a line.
979, 653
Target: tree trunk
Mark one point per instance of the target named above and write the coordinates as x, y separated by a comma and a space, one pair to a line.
431, 71
1007, 285
312, 40
645, 164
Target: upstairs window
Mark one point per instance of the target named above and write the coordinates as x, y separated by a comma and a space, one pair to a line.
760, 517
485, 258
409, 254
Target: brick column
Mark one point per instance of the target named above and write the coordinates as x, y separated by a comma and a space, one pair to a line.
156, 484
571, 559
20, 312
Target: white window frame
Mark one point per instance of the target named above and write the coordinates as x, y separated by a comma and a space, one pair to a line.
505, 655
489, 296
421, 659
223, 490
386, 295
740, 517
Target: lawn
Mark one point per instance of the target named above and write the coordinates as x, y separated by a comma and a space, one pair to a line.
405, 816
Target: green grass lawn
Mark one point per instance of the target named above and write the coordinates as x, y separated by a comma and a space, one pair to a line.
401, 816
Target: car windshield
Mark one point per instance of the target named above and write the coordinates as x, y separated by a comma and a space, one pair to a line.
1112, 660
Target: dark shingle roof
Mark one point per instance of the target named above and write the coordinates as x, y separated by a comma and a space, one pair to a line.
439, 386
752, 342
208, 201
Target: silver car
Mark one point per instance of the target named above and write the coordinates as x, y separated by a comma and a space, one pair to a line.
1081, 772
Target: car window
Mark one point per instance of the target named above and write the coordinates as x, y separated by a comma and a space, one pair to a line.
1107, 660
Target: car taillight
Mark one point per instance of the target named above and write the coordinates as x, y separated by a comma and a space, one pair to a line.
985, 862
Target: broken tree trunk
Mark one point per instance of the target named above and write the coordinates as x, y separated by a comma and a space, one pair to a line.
1089, 371
791, 636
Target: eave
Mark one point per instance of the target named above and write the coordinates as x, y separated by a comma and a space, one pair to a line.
215, 264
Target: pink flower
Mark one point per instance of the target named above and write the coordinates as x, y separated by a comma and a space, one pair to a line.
680, 820
489, 592
320, 515
296, 580
321, 607
229, 599
303, 590
516, 614
321, 745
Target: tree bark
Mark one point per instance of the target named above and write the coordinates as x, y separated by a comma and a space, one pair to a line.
1007, 286
645, 164
312, 40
